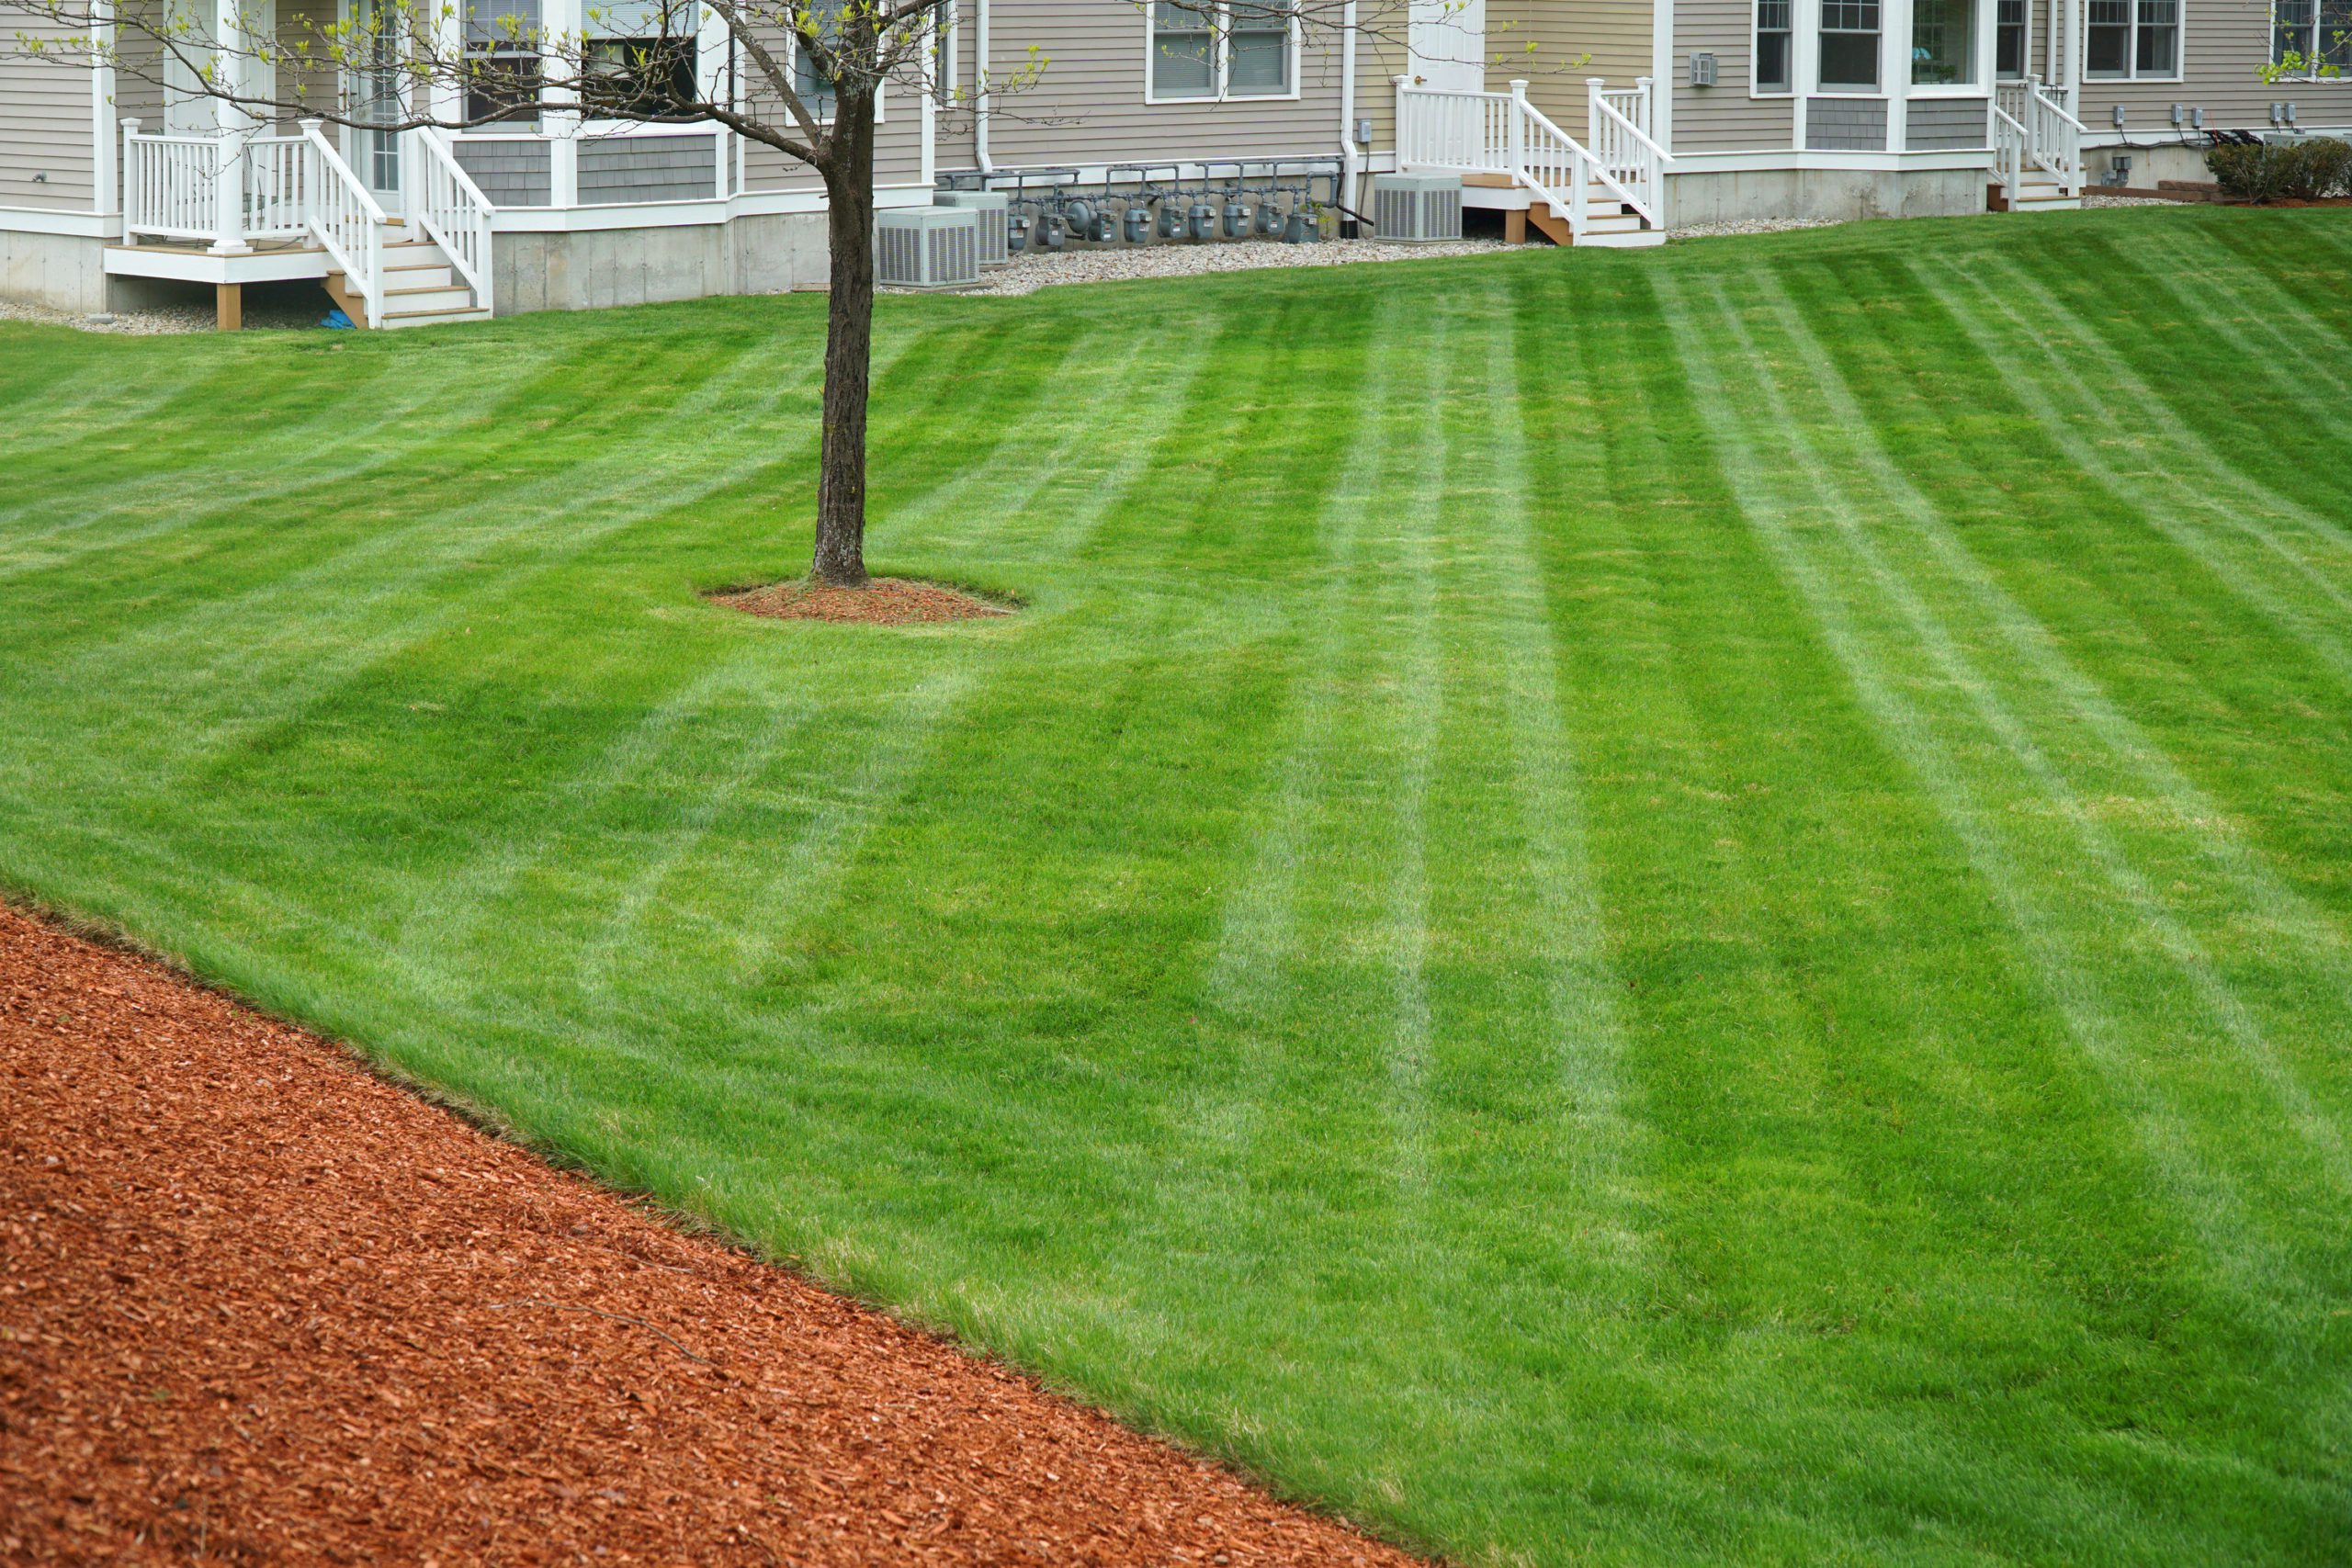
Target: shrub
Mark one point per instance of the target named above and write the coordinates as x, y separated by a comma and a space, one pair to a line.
2290, 171
2324, 169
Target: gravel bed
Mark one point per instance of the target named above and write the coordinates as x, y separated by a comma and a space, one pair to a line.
283, 312
2093, 198
1751, 226
1032, 272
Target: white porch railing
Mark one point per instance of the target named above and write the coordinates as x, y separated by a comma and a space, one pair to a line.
1445, 131
1502, 133
170, 185
173, 187
2032, 127
346, 220
451, 207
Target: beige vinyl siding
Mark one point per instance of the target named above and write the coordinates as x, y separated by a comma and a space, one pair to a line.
898, 142
1723, 118
2224, 44
1087, 106
1380, 60
1615, 33
46, 125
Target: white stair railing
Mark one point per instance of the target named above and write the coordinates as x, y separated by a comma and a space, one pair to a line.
451, 209
1500, 133
170, 185
2047, 136
2009, 149
346, 220
1622, 146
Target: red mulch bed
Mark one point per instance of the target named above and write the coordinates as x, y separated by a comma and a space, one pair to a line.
884, 602
257, 1306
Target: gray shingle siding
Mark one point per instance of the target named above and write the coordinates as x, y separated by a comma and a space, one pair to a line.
1845, 125
511, 172
1944, 125
648, 169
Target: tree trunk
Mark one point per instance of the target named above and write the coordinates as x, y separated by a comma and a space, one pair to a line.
848, 341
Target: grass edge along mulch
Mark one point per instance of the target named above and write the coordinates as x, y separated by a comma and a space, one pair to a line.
257, 1303
882, 601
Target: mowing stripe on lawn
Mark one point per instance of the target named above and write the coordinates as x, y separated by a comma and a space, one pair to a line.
2207, 830
2254, 1263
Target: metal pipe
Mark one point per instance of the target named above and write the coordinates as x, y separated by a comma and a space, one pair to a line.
1350, 155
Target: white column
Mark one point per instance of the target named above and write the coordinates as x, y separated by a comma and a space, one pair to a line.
712, 43
130, 172
1518, 127
1804, 65
444, 99
231, 126
108, 189
1592, 90
1895, 55
562, 20
1667, 69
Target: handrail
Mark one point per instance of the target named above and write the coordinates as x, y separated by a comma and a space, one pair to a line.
347, 221
2047, 132
1503, 133
1593, 169
1626, 147
2009, 149
453, 211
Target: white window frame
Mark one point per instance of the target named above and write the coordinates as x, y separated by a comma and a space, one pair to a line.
2025, 55
1819, 27
2130, 73
592, 127
792, 69
2310, 51
1756, 33
1221, 68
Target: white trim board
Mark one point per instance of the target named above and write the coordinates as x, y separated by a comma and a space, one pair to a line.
688, 214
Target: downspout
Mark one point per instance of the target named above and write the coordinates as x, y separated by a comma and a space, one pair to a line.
1351, 154
980, 91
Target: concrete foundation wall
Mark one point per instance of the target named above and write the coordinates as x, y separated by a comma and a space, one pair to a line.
1823, 193
590, 270
60, 271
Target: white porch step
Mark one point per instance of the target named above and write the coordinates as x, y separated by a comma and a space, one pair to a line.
394, 319
404, 298
1623, 239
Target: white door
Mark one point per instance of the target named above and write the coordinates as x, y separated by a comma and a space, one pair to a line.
374, 88
1448, 38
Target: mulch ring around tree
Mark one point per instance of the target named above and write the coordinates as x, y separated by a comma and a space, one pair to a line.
882, 601
258, 1306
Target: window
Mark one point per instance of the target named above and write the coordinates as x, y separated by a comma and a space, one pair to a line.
1849, 45
1223, 49
502, 62
2159, 50
1771, 73
1183, 52
2311, 37
2009, 37
639, 57
942, 52
2132, 38
1258, 48
1943, 43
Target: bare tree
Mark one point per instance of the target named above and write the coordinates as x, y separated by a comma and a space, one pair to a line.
811, 78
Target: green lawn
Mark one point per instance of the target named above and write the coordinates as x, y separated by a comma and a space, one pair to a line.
1643, 907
